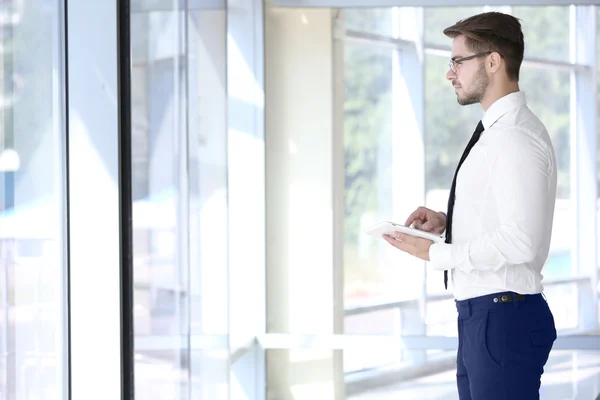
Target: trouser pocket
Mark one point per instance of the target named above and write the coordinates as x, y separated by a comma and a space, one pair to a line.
542, 341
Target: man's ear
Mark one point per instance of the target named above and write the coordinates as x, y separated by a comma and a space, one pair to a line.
494, 62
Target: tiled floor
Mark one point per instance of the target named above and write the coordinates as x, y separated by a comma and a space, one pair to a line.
569, 375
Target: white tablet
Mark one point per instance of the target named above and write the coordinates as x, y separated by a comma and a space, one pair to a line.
387, 227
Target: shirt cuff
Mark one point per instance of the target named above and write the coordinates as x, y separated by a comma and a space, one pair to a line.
440, 256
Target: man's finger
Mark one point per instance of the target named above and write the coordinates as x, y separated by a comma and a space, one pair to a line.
390, 239
413, 217
427, 226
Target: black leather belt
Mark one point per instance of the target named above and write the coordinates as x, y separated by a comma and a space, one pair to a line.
508, 298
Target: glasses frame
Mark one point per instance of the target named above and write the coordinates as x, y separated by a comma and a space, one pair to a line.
454, 63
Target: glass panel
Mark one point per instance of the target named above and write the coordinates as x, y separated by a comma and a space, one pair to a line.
157, 372
381, 285
179, 199
367, 133
546, 31
436, 19
32, 203
159, 229
209, 379
208, 172
370, 20
207, 136
210, 374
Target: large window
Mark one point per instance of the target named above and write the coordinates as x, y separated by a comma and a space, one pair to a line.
32, 203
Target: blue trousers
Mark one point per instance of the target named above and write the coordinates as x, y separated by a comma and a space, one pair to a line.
504, 340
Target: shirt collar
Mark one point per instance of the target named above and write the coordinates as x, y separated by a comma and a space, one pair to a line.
502, 106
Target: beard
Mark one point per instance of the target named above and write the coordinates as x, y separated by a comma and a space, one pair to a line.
479, 85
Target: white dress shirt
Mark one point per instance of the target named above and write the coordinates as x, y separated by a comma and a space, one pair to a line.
505, 195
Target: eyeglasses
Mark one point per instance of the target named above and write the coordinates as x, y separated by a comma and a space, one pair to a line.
454, 63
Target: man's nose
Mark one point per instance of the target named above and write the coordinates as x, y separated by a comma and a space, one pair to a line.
450, 75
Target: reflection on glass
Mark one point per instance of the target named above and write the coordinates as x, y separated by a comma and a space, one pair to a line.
156, 375
32, 273
208, 172
158, 126
207, 155
179, 200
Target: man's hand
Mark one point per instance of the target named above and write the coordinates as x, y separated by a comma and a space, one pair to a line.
427, 220
412, 245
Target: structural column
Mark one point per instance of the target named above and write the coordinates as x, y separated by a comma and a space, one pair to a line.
300, 221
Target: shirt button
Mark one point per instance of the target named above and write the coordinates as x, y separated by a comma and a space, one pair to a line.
495, 299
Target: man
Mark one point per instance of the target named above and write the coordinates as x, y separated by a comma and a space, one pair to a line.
499, 219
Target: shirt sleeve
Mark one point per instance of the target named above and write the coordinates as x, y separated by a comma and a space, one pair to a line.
521, 170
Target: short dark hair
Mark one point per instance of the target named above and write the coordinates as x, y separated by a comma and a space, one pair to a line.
493, 31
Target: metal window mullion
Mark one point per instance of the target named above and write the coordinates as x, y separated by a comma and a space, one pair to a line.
125, 198
60, 111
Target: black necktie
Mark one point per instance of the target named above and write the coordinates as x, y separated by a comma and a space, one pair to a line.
451, 198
